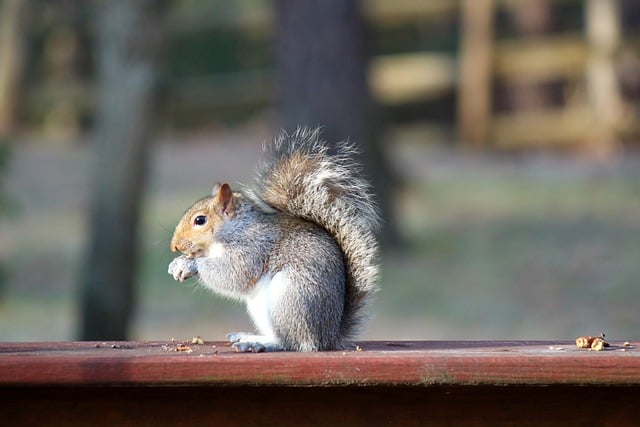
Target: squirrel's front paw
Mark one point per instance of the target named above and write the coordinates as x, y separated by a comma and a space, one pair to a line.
182, 268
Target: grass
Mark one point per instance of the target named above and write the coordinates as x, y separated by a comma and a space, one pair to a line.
517, 256
493, 249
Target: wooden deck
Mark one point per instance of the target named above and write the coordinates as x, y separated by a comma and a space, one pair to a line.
379, 383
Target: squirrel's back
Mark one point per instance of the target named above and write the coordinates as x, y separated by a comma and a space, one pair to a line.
306, 178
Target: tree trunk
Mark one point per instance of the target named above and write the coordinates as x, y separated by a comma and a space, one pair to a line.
322, 60
128, 53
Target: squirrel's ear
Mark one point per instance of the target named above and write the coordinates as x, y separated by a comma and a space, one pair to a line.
224, 196
216, 189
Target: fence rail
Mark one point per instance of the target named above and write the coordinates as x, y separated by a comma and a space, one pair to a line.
403, 383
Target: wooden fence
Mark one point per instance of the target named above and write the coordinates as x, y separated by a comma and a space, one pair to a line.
593, 114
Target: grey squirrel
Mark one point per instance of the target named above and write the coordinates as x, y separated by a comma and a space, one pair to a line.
298, 246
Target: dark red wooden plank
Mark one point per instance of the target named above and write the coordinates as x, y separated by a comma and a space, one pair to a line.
428, 363
467, 406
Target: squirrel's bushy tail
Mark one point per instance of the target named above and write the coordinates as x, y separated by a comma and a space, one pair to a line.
304, 177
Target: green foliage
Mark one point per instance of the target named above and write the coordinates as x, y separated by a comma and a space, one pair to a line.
217, 51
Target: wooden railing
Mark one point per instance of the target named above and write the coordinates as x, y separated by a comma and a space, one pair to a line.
374, 383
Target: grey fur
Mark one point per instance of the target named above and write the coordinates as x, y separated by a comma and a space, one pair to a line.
329, 191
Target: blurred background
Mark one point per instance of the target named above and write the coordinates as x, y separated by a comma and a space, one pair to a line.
501, 136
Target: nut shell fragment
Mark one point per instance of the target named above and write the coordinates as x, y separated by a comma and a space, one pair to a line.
592, 343
585, 342
598, 344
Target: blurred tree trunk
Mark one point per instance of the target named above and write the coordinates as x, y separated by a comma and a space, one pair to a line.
322, 60
12, 26
128, 48
629, 65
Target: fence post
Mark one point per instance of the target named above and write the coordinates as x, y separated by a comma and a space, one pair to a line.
476, 72
12, 28
603, 35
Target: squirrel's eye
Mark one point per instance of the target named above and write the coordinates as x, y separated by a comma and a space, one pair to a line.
200, 220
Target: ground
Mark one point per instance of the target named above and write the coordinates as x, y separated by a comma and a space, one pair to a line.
494, 246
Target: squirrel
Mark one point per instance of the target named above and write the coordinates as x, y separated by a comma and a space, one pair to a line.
298, 246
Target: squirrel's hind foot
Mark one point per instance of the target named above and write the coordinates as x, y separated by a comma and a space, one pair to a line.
249, 343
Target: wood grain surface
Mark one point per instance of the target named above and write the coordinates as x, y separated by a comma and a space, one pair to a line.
376, 383
424, 363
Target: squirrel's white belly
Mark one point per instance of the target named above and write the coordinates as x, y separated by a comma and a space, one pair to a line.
261, 303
